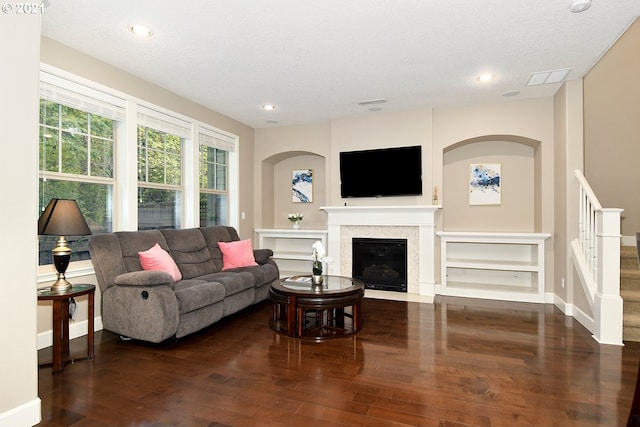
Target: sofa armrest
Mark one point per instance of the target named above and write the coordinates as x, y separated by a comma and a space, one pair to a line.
262, 255
144, 278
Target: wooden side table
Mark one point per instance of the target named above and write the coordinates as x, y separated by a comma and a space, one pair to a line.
61, 300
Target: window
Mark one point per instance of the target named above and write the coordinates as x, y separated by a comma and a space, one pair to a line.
77, 141
160, 145
214, 178
91, 151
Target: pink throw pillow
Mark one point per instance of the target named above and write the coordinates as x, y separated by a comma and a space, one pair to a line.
157, 258
237, 254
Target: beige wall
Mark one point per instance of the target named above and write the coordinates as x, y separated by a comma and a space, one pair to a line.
561, 242
19, 403
282, 194
278, 151
612, 128
515, 213
524, 122
381, 130
569, 155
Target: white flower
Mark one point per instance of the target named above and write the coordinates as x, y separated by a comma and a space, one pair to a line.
319, 253
293, 217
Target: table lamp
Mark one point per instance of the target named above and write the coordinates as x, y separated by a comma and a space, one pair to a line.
62, 217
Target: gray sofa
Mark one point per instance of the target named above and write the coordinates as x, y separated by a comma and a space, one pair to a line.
150, 306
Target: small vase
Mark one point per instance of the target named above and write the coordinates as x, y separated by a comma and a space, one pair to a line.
316, 283
296, 225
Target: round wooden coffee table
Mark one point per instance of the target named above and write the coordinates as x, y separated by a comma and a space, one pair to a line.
301, 310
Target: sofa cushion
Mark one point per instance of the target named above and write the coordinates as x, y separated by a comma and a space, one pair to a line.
262, 274
193, 294
157, 258
190, 252
237, 254
233, 282
213, 235
132, 242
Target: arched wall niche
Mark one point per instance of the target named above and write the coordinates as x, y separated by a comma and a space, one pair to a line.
277, 200
519, 208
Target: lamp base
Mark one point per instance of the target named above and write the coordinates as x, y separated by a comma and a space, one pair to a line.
61, 285
61, 258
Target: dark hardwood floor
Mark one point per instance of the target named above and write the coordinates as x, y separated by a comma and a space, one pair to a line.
455, 363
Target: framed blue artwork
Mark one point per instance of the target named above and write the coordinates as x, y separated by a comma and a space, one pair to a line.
484, 184
302, 188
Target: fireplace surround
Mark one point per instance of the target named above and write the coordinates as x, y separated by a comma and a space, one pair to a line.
414, 223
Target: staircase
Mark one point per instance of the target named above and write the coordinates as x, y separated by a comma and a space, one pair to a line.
630, 292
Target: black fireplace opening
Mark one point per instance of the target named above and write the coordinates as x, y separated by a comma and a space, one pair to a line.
380, 263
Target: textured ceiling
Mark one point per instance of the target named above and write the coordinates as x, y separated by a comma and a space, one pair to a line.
315, 60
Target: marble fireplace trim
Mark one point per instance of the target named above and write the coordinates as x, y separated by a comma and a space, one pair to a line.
415, 223
348, 232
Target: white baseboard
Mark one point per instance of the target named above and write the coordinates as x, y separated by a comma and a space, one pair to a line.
27, 414
567, 309
571, 310
76, 329
584, 319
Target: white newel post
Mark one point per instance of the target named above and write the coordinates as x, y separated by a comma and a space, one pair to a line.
607, 302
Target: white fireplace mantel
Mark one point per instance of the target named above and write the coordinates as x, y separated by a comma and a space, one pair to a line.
416, 221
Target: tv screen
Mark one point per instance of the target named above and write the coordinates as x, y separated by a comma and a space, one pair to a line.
380, 173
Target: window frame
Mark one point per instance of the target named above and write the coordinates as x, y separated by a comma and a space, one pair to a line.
165, 126
76, 95
211, 139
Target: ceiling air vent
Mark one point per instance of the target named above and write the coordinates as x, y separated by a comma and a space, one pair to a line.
547, 77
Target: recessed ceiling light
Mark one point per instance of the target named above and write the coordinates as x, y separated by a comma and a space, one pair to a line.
485, 77
141, 30
269, 107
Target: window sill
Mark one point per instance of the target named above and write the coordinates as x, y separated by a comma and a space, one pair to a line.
48, 273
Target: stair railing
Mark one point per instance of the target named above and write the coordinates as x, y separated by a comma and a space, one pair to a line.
596, 255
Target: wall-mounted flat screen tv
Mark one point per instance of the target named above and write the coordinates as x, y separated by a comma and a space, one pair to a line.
382, 172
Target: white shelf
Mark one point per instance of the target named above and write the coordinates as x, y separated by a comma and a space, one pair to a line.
292, 249
504, 266
493, 265
292, 255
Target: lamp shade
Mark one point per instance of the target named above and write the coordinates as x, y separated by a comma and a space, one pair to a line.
62, 217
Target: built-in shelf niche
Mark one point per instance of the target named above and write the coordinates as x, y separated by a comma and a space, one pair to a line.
276, 196
520, 207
